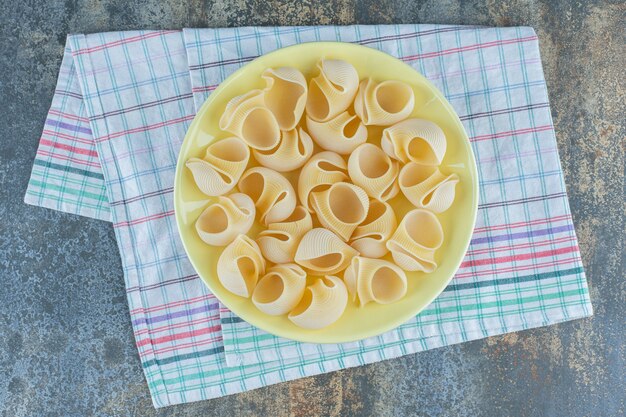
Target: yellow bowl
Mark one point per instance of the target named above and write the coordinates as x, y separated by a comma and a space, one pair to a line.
458, 222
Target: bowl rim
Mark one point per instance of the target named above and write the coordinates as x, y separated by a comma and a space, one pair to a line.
398, 319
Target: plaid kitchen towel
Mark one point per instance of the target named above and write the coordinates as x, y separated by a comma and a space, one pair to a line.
122, 106
66, 173
523, 267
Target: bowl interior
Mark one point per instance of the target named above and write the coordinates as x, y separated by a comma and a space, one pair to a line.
458, 222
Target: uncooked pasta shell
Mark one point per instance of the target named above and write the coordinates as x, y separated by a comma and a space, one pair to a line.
341, 134
220, 169
321, 252
333, 90
322, 304
240, 265
319, 173
426, 187
280, 289
374, 280
415, 140
273, 195
370, 237
248, 118
415, 241
279, 241
294, 149
373, 170
341, 208
384, 103
221, 222
285, 95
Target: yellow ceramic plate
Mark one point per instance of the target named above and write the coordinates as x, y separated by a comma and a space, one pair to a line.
458, 222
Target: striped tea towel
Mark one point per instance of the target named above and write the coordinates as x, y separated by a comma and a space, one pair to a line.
523, 267
108, 150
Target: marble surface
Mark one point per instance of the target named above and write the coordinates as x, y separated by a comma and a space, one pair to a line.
66, 346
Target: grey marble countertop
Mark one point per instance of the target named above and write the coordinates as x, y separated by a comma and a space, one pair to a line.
66, 345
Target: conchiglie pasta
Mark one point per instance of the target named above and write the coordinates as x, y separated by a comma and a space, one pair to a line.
321, 252
240, 265
322, 304
221, 222
294, 149
273, 195
370, 236
320, 172
371, 169
248, 118
341, 134
385, 103
220, 169
280, 290
374, 280
334, 235
426, 187
285, 95
341, 208
414, 243
279, 241
332, 91
415, 140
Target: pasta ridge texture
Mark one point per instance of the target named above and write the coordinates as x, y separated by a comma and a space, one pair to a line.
279, 241
341, 134
333, 90
384, 103
427, 187
293, 150
280, 289
370, 237
321, 252
220, 169
373, 170
415, 241
222, 221
247, 117
320, 172
415, 140
240, 265
273, 195
322, 304
285, 95
374, 280
341, 208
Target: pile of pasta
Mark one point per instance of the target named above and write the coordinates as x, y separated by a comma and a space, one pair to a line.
335, 219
